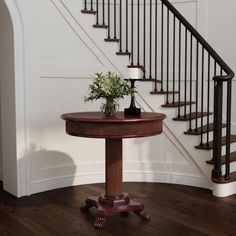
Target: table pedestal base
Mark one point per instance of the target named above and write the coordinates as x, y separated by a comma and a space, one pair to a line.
113, 206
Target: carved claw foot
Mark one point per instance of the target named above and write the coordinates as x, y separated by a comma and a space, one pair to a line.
100, 222
88, 204
142, 215
85, 208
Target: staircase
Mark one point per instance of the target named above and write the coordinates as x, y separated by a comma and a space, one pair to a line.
182, 66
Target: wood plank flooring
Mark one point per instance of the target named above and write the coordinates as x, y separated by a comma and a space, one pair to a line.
175, 210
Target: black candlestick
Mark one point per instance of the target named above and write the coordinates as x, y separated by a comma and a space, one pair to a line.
132, 110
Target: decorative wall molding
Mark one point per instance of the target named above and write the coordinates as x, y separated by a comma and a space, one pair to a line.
203, 22
68, 71
22, 163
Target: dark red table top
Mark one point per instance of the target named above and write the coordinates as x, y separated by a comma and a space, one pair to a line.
97, 125
119, 117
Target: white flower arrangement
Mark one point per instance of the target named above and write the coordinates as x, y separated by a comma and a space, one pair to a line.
108, 86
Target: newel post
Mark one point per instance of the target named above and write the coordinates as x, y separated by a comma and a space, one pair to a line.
218, 101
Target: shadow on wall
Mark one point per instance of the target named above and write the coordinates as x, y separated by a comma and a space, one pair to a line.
57, 169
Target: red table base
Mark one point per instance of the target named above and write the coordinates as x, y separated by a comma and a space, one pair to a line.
113, 206
113, 130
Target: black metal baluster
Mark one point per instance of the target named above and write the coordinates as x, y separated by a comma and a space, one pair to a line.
144, 39
132, 32
91, 5
179, 97
202, 97
103, 13
167, 56
197, 68
155, 88
191, 82
162, 45
121, 26
115, 18
127, 26
150, 46
138, 33
185, 72
228, 129
109, 19
174, 61
97, 9
85, 5
208, 97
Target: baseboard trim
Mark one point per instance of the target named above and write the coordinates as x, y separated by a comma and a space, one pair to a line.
171, 178
66, 181
157, 177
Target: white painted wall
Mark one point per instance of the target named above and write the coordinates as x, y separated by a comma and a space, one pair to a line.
62, 51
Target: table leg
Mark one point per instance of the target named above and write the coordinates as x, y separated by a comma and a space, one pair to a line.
114, 168
114, 201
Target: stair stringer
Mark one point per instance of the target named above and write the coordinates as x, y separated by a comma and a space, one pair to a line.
175, 131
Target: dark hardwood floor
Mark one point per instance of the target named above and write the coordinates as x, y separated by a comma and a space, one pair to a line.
175, 210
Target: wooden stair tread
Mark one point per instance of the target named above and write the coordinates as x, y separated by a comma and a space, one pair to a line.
93, 12
112, 40
204, 129
150, 80
100, 26
136, 66
123, 53
177, 104
224, 181
193, 116
163, 92
209, 146
223, 159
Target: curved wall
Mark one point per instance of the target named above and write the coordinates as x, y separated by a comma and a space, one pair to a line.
53, 66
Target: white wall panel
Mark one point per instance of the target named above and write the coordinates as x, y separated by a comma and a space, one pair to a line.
220, 29
218, 24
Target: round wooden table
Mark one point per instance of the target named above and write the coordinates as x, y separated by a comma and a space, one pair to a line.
113, 130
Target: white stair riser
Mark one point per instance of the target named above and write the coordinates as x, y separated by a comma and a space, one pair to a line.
223, 150
232, 167
232, 148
